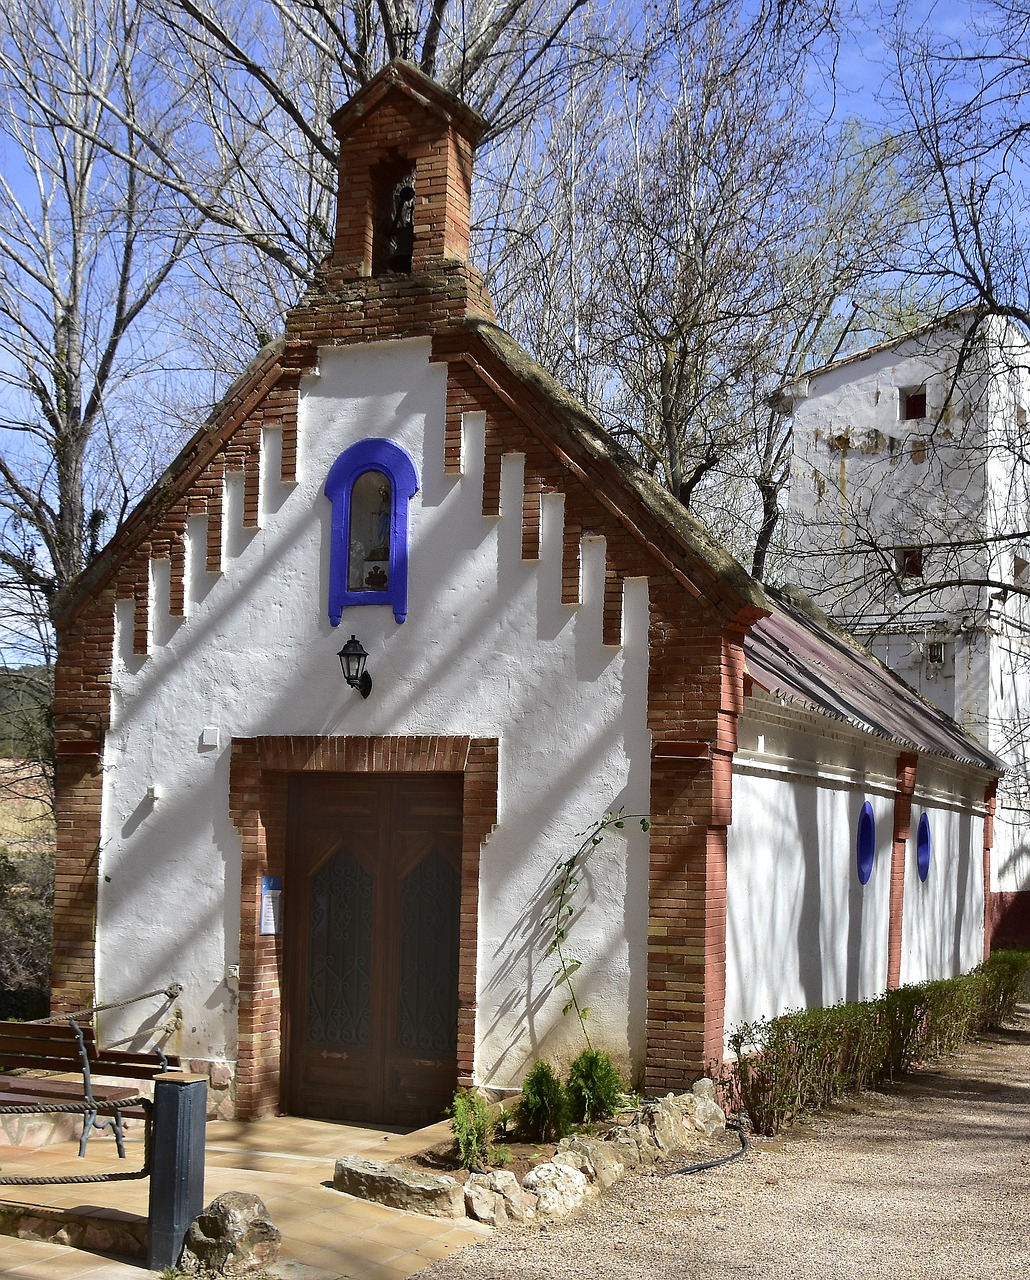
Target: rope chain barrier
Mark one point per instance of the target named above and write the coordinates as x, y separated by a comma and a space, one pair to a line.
171, 992
73, 1108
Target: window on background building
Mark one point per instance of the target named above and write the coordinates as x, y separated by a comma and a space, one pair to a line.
935, 653
912, 403
908, 562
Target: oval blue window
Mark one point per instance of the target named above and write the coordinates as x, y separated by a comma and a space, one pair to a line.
924, 847
866, 843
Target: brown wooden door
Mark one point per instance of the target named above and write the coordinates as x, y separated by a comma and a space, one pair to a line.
372, 897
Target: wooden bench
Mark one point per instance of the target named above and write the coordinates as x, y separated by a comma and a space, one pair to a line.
68, 1047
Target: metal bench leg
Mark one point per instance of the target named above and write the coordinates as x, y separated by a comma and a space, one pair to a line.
88, 1121
119, 1133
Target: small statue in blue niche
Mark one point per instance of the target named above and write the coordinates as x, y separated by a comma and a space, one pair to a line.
380, 527
370, 486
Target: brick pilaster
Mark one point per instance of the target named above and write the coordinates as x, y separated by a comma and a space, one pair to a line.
990, 807
906, 783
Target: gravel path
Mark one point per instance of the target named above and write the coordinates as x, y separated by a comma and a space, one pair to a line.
931, 1180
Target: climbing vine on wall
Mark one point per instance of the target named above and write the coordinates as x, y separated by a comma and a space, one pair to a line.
561, 912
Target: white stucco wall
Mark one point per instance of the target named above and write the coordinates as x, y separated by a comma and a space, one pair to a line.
802, 931
864, 480
488, 649
1009, 736
943, 920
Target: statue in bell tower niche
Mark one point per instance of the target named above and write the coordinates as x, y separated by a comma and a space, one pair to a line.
401, 226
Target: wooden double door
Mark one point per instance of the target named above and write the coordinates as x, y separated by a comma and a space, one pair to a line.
372, 909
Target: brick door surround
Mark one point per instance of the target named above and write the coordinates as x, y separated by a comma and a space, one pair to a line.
258, 781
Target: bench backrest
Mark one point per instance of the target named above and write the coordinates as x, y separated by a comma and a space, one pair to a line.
52, 1046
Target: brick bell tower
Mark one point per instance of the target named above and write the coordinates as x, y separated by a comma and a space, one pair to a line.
400, 257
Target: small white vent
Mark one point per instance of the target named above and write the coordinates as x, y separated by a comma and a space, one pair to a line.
935, 653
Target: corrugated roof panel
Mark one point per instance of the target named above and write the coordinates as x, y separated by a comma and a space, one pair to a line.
794, 657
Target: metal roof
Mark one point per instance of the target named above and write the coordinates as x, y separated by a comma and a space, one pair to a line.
809, 662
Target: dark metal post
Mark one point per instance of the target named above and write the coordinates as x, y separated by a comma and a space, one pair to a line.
176, 1164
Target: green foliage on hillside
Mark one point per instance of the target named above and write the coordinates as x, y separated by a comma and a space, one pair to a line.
26, 712
26, 911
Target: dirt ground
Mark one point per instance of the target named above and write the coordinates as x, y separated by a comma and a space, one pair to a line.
929, 1180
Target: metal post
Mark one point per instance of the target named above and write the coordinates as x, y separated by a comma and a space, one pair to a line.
176, 1164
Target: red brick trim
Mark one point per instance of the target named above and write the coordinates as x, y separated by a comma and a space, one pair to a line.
695, 697
1008, 920
906, 776
258, 779
990, 808
78, 783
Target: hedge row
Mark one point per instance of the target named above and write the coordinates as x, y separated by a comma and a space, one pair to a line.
803, 1060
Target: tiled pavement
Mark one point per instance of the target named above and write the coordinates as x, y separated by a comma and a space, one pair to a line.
287, 1162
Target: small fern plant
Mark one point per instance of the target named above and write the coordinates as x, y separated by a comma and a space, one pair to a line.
472, 1126
594, 1087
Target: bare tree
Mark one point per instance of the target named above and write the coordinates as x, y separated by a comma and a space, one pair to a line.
679, 238
960, 105
85, 244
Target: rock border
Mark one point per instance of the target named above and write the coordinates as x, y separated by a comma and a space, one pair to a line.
581, 1169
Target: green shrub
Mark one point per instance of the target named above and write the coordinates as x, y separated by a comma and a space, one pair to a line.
593, 1087
806, 1059
471, 1123
1006, 974
542, 1113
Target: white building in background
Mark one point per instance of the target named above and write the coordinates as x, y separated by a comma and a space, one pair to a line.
910, 509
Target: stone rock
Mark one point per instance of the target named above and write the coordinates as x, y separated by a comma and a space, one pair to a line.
234, 1236
438, 1195
626, 1149
697, 1112
559, 1189
666, 1123
704, 1088
221, 1075
494, 1198
598, 1160
709, 1116
484, 1204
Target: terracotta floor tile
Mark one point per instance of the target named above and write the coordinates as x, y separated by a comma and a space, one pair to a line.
288, 1162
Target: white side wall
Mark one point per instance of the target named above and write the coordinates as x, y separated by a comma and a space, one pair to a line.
487, 649
802, 931
943, 920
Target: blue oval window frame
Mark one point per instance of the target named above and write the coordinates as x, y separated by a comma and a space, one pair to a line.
924, 847
865, 843
396, 464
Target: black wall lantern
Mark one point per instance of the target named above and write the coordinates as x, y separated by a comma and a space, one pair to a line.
352, 659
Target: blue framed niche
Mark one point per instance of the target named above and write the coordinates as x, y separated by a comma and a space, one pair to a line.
370, 486
865, 843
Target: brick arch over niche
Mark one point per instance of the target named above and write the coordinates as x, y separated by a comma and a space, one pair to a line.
258, 783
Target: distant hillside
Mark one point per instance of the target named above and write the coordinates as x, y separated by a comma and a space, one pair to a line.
26, 699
